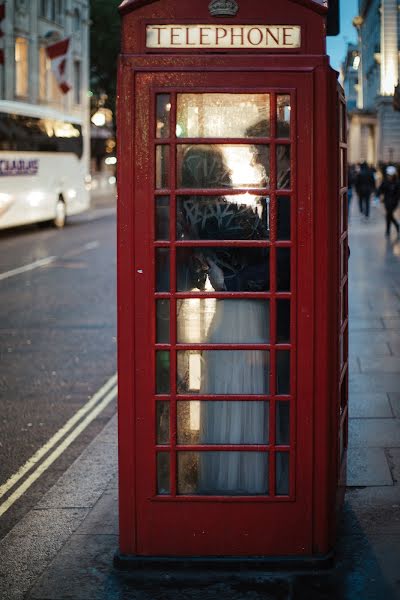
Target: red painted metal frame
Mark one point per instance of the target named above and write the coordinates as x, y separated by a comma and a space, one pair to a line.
319, 243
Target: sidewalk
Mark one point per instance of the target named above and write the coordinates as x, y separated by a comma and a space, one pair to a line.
63, 549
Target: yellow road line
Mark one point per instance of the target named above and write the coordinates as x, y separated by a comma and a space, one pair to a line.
57, 436
57, 452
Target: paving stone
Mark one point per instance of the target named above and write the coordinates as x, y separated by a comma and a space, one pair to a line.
374, 433
394, 463
395, 402
103, 518
371, 511
361, 350
388, 364
368, 382
368, 467
392, 323
370, 406
361, 324
57, 523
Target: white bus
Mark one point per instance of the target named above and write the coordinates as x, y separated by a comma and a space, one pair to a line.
43, 165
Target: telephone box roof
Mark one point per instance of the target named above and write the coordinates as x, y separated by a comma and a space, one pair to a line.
129, 5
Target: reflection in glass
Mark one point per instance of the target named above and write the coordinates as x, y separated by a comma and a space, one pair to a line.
283, 423
162, 218
163, 114
223, 473
163, 322
163, 473
223, 269
163, 435
223, 422
283, 269
162, 372
283, 167
283, 116
162, 167
222, 115
237, 217
224, 166
208, 321
282, 473
283, 372
223, 372
283, 322
162, 270
284, 218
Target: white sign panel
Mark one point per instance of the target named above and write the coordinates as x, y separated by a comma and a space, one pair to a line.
223, 36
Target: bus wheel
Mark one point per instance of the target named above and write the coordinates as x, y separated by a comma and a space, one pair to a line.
61, 214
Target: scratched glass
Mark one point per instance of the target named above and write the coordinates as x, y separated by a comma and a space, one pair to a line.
163, 115
162, 218
284, 176
162, 167
282, 473
283, 110
201, 321
284, 218
162, 423
223, 116
223, 166
163, 473
238, 217
223, 422
222, 473
202, 372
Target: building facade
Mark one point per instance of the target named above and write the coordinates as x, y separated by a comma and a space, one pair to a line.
28, 27
374, 125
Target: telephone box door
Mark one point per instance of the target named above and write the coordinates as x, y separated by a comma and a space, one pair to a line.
223, 314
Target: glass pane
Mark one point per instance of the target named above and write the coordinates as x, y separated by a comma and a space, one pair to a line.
222, 269
223, 473
223, 372
223, 115
162, 167
213, 321
283, 167
283, 322
163, 321
284, 218
163, 114
283, 423
223, 422
224, 166
283, 116
162, 372
162, 218
163, 435
283, 372
283, 269
162, 270
163, 473
282, 473
239, 217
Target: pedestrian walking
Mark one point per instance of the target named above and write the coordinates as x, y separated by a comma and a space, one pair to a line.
365, 186
390, 190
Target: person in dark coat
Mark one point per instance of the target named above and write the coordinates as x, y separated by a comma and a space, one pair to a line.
365, 186
390, 190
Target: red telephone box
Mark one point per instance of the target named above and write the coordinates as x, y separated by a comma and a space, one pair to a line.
232, 281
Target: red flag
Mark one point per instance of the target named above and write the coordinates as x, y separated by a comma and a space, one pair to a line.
58, 54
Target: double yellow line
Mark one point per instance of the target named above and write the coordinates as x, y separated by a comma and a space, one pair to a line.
78, 423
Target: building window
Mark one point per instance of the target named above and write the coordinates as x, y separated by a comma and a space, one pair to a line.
21, 67
43, 8
59, 11
77, 20
48, 86
77, 82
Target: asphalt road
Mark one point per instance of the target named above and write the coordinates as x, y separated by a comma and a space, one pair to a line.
57, 342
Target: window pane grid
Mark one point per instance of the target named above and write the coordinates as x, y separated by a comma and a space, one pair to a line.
272, 449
